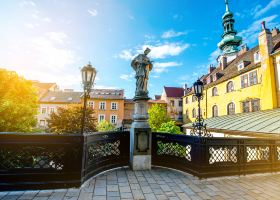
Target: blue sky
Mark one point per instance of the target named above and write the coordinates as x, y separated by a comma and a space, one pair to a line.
50, 40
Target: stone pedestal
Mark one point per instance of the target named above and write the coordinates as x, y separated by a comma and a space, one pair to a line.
140, 137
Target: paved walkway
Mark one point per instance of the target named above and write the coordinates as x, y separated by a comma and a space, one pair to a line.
161, 184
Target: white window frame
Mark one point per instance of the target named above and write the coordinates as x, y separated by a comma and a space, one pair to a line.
44, 121
257, 60
240, 66
115, 104
116, 118
42, 110
91, 102
50, 111
100, 116
100, 103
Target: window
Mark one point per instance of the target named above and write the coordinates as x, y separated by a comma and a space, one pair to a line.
193, 98
244, 81
257, 57
187, 100
231, 109
114, 106
253, 78
42, 123
214, 111
172, 102
230, 87
193, 113
51, 110
102, 105
43, 110
180, 114
240, 66
187, 114
255, 105
180, 103
91, 104
246, 106
214, 91
113, 119
101, 118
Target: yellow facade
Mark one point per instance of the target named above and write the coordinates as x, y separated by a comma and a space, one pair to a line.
264, 90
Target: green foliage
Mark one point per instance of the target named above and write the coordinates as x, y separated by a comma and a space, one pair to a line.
68, 120
157, 116
105, 126
169, 127
18, 103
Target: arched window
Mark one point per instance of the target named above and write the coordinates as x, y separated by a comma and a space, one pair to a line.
214, 91
193, 113
193, 98
187, 114
230, 87
214, 111
231, 109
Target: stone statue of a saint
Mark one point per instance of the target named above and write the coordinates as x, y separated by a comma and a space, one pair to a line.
142, 66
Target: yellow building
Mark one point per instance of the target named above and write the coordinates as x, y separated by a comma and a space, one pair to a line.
243, 80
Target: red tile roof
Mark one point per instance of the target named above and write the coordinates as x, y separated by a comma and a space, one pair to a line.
174, 91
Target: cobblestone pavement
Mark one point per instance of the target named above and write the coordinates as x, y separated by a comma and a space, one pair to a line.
161, 184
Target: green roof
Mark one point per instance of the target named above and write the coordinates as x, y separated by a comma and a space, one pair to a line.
267, 121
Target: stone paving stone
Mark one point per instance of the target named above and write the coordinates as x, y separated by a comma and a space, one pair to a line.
112, 188
113, 198
138, 194
10, 197
99, 191
124, 189
161, 197
57, 195
126, 195
99, 198
113, 194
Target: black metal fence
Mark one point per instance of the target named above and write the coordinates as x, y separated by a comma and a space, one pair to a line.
36, 161
209, 157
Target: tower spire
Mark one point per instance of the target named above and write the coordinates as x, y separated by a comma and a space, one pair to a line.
226, 2
230, 41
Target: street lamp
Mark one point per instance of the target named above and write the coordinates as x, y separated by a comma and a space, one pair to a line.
88, 75
199, 128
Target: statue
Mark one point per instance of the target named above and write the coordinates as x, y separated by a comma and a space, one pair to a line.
142, 66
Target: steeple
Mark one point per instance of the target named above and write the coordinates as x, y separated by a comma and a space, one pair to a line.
230, 41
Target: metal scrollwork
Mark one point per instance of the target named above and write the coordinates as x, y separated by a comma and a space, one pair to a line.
199, 128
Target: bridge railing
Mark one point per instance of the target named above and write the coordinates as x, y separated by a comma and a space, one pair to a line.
37, 161
209, 157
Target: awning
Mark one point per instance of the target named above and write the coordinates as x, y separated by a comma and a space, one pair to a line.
267, 122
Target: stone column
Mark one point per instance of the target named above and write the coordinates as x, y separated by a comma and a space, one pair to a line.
140, 137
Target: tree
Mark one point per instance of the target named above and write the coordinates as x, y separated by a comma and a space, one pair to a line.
18, 103
157, 116
169, 127
105, 126
68, 120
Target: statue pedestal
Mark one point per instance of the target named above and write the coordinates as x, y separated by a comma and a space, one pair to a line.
140, 137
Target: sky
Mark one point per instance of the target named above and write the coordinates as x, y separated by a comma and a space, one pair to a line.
51, 40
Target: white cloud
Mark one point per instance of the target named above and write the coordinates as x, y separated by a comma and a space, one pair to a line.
27, 3
163, 67
172, 33
46, 19
29, 25
259, 11
250, 35
213, 56
164, 50
126, 55
127, 77
58, 37
92, 12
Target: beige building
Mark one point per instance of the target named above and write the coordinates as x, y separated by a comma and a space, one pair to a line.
173, 97
54, 99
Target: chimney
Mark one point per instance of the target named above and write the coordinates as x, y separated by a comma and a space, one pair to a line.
275, 32
211, 68
223, 62
265, 39
244, 49
185, 87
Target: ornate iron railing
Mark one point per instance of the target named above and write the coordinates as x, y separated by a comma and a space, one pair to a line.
36, 161
208, 157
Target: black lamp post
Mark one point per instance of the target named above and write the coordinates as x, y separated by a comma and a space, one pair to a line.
88, 75
199, 128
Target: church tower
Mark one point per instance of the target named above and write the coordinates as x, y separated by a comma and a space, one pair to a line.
230, 42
